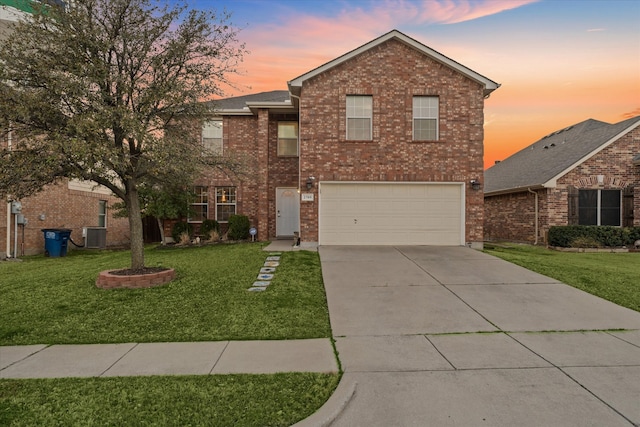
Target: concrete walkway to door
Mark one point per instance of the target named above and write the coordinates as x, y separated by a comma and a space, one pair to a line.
443, 336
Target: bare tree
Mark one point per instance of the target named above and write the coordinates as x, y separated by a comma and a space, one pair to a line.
93, 89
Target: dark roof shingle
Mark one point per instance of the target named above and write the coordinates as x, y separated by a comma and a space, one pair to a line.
553, 154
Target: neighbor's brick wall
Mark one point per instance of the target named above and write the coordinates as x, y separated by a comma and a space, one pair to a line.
392, 73
62, 208
511, 217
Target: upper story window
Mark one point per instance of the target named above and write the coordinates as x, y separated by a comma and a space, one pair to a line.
287, 139
359, 117
212, 136
200, 206
599, 207
425, 118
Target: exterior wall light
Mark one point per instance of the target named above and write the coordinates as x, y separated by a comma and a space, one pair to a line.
475, 184
310, 182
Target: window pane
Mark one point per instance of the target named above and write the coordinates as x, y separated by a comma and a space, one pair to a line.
287, 147
424, 130
588, 207
425, 118
225, 211
610, 207
287, 139
199, 213
212, 136
359, 129
359, 117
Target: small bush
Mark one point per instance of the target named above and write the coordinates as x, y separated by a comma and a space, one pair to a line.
184, 239
208, 227
585, 242
214, 236
239, 226
179, 228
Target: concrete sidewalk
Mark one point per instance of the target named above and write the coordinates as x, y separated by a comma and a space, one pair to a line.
188, 358
450, 336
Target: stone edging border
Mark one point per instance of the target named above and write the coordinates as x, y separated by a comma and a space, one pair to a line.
106, 280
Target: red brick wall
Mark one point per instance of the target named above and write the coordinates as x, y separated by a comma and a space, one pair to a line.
392, 73
511, 217
62, 208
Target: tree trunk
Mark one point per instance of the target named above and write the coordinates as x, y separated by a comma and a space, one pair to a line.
161, 227
135, 226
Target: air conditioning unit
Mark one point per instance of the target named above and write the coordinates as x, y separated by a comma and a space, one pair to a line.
95, 237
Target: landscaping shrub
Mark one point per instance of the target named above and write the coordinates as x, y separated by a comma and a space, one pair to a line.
585, 242
180, 228
208, 227
607, 236
239, 226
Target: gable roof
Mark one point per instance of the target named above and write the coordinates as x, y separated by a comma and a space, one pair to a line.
489, 85
542, 163
239, 105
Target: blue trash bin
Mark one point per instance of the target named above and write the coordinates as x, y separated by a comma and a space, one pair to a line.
56, 241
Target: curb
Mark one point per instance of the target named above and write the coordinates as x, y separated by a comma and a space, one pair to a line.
331, 410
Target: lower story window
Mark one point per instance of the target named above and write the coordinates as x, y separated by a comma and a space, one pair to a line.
102, 213
200, 206
225, 203
599, 207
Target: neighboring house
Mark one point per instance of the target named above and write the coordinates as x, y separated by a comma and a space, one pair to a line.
584, 174
378, 146
69, 204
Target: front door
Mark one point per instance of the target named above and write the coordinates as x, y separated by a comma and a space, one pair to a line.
287, 212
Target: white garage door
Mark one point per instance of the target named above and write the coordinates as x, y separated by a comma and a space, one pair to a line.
391, 214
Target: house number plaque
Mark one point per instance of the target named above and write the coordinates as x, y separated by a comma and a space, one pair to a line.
307, 197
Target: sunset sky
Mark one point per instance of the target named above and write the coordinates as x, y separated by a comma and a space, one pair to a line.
559, 61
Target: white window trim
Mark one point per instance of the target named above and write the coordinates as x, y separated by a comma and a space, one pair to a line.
297, 154
369, 117
218, 148
599, 205
204, 190
234, 203
416, 117
101, 214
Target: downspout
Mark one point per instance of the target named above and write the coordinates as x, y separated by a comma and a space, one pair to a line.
535, 193
298, 236
8, 246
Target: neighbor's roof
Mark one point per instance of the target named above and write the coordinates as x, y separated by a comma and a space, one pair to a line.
543, 162
240, 105
295, 85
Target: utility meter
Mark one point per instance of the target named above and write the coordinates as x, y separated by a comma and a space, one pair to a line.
16, 207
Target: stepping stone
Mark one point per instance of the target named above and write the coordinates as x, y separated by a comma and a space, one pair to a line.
271, 264
273, 258
261, 284
267, 269
265, 276
257, 289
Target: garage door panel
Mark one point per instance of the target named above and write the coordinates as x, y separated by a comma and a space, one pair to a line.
386, 214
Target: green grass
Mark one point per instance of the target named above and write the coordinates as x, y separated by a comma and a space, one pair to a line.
216, 400
612, 276
55, 300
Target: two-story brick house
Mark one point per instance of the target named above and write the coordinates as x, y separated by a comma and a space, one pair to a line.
382, 145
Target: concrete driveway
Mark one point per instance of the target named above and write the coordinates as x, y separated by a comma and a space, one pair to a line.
439, 336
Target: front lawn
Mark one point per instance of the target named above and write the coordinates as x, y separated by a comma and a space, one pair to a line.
612, 276
214, 400
55, 300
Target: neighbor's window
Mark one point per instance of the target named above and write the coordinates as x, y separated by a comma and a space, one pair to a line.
599, 207
425, 118
287, 138
359, 117
200, 206
102, 213
225, 203
212, 136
